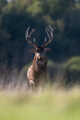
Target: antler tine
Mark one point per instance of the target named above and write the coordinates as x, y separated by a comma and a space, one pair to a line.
29, 35
27, 31
49, 31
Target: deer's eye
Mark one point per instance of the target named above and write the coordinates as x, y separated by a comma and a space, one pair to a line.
37, 50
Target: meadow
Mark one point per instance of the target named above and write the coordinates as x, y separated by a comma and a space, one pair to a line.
54, 101
51, 102
42, 104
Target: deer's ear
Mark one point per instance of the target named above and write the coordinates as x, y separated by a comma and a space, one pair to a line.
47, 49
32, 50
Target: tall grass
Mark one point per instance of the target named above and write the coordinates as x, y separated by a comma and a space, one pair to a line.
17, 102
42, 104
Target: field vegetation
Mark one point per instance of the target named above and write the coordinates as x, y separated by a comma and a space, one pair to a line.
59, 99
48, 103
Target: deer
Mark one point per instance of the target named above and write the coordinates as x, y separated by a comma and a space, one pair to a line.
37, 71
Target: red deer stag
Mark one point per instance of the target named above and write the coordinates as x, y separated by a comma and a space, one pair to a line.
37, 72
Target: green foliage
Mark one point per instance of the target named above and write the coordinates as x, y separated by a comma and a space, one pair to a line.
36, 8
2, 3
73, 64
72, 71
45, 105
56, 8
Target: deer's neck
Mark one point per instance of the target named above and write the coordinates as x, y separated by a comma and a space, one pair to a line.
40, 66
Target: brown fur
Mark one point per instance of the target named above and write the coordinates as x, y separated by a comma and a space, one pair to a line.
37, 72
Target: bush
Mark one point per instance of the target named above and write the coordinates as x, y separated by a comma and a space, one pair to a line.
72, 70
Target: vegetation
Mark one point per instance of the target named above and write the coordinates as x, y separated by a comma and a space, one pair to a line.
73, 64
49, 104
54, 103
72, 68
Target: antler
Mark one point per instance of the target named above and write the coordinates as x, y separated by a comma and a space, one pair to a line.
28, 35
49, 31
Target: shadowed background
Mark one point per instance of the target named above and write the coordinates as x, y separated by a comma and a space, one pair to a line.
17, 15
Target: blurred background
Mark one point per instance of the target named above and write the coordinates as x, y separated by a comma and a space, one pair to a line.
64, 15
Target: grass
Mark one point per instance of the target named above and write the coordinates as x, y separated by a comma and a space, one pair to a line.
46, 104
49, 104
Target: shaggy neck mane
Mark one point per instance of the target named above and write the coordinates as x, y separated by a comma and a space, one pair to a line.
37, 68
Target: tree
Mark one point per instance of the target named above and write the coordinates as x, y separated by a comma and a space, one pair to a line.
2, 4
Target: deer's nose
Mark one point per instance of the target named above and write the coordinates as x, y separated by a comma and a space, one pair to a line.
39, 57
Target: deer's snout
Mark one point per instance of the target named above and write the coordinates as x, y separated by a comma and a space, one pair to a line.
38, 56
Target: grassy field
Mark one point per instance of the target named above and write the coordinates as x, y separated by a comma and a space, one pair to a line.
47, 104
